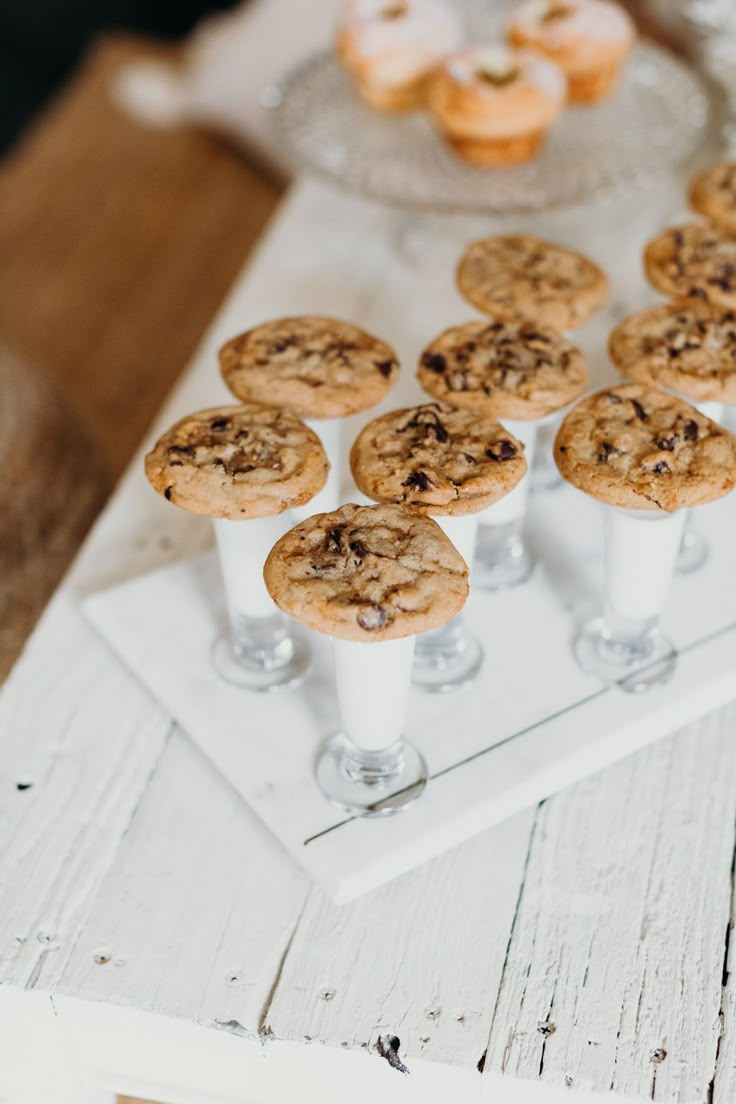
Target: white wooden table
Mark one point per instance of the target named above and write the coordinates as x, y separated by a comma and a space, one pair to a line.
154, 939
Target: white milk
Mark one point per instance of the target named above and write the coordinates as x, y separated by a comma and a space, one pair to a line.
373, 689
329, 431
243, 547
462, 531
513, 505
641, 549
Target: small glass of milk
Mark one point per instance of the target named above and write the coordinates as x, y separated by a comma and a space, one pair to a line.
258, 650
625, 646
502, 557
369, 769
450, 657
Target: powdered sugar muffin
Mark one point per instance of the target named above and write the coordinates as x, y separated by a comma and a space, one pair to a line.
392, 46
494, 105
588, 39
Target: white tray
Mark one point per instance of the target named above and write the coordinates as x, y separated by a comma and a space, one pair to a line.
532, 725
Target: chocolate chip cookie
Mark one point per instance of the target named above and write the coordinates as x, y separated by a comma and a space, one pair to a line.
694, 262
238, 462
437, 460
503, 369
520, 277
635, 447
367, 573
316, 367
713, 194
685, 347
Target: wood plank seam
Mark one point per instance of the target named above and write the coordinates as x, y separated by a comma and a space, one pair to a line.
724, 976
264, 1029
480, 1064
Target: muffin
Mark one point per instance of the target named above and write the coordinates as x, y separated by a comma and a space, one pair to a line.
588, 39
494, 105
391, 47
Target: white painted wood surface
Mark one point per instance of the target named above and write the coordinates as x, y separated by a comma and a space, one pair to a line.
605, 912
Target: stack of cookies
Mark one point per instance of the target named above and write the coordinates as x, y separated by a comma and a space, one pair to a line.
494, 102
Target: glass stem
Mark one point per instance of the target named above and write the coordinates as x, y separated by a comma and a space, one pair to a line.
262, 642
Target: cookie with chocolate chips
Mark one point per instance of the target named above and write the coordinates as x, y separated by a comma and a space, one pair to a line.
503, 369
520, 277
713, 194
367, 573
635, 447
437, 460
693, 262
685, 347
316, 367
238, 462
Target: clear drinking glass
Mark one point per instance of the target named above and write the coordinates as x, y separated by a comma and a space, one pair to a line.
693, 547
625, 646
329, 431
368, 768
258, 650
450, 657
502, 558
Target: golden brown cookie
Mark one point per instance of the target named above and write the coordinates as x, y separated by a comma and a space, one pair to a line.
588, 39
503, 369
437, 460
693, 261
494, 105
635, 447
713, 194
317, 367
367, 573
517, 276
684, 347
238, 462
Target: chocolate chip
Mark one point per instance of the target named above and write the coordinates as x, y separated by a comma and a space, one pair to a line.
434, 361
697, 293
359, 549
219, 423
639, 410
502, 451
690, 430
372, 618
334, 539
667, 444
385, 367
607, 449
615, 399
420, 480
467, 457
167, 493
661, 468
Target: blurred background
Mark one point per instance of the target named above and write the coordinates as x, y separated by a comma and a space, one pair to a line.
126, 210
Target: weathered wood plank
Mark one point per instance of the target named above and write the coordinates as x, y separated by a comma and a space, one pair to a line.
72, 775
613, 978
194, 917
419, 959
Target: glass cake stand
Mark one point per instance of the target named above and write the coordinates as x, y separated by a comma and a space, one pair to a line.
653, 122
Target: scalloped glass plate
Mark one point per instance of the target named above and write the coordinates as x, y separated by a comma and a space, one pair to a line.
654, 120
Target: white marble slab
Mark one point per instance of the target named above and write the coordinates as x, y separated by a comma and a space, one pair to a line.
532, 725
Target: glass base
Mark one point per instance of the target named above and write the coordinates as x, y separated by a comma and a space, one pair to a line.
285, 666
693, 551
502, 558
371, 783
632, 666
446, 659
